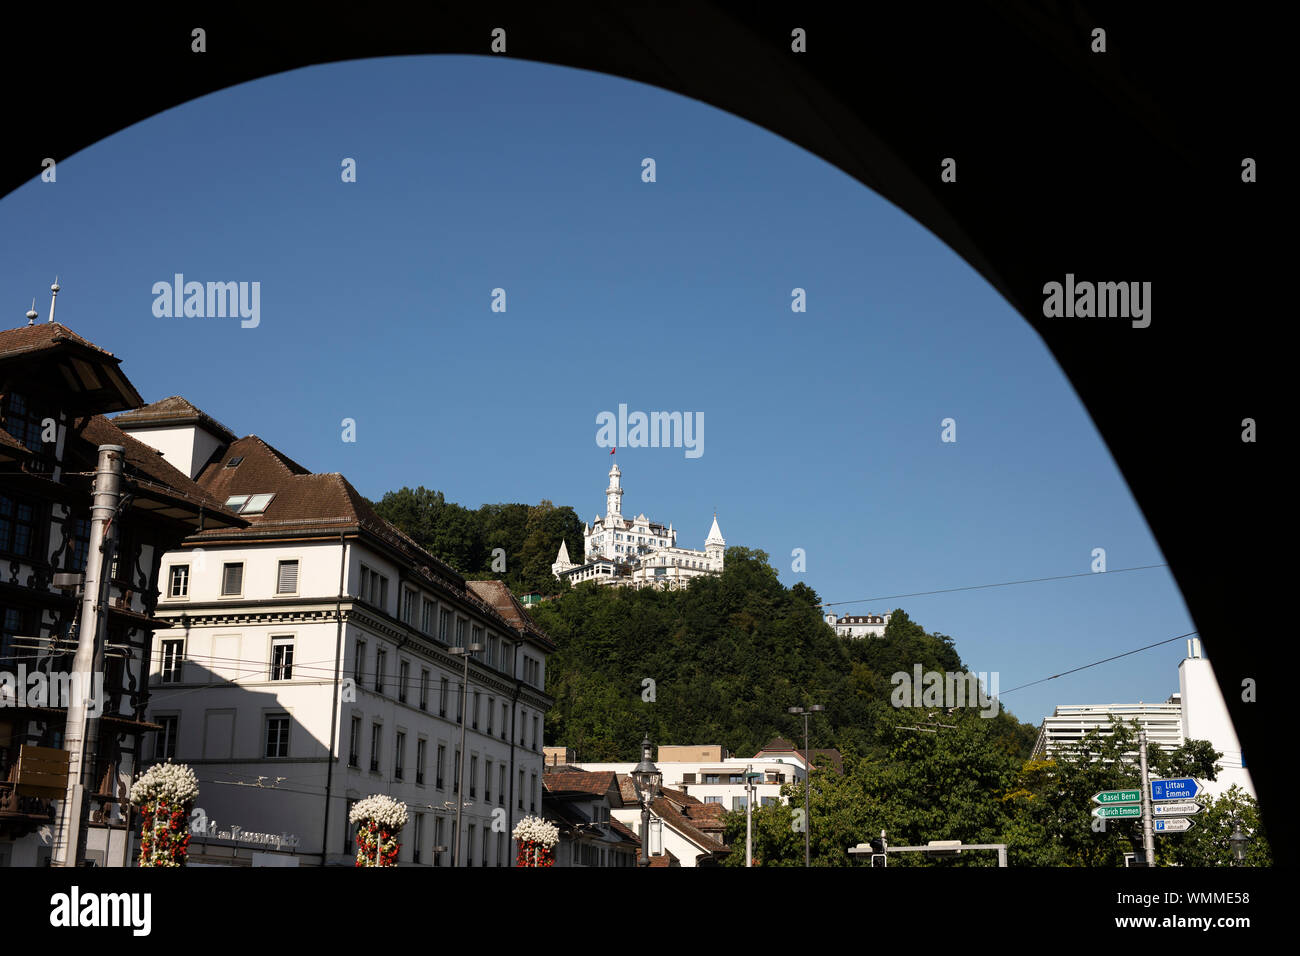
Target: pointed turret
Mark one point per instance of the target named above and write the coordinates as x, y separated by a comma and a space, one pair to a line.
715, 546
715, 535
562, 562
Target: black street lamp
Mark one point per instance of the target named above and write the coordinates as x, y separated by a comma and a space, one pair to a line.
647, 779
807, 783
1238, 841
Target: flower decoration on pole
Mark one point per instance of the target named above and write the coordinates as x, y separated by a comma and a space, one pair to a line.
165, 794
379, 818
536, 838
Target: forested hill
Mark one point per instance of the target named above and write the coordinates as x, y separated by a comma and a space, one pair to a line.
720, 663
529, 536
717, 663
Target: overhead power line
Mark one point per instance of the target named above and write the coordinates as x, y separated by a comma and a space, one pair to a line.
1105, 660
1002, 584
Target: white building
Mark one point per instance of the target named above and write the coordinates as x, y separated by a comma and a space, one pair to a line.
1196, 712
637, 552
859, 625
711, 775
309, 664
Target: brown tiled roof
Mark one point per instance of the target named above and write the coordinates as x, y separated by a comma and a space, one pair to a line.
43, 335
141, 460
174, 411
596, 782
683, 813
664, 859
623, 830
501, 599
8, 441
780, 745
777, 745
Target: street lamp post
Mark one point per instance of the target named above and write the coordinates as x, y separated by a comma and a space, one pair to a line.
1237, 842
807, 783
646, 778
464, 652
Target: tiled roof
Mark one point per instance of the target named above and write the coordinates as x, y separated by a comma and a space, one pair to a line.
778, 745
141, 460
684, 813
595, 782
174, 411
502, 600
44, 335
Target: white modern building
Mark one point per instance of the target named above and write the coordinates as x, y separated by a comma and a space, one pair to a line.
311, 662
1196, 712
859, 625
637, 552
711, 775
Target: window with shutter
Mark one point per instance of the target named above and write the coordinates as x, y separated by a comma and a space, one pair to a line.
288, 578
232, 579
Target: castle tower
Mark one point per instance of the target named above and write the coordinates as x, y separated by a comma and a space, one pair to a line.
562, 562
614, 497
715, 546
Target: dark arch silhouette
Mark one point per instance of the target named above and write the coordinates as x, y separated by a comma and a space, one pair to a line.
1116, 166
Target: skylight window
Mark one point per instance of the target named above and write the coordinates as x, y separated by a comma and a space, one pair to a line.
256, 504
249, 504
234, 461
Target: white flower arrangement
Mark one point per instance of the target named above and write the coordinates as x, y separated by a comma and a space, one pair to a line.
173, 782
536, 830
390, 814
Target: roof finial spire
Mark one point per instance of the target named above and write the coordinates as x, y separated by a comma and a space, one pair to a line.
32, 313
54, 291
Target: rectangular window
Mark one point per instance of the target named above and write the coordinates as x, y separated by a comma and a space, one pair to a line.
469, 846
476, 702
286, 581
179, 582
359, 665
477, 636
492, 651
460, 702
426, 617
419, 837
408, 606
399, 750
173, 650
424, 688
487, 781
737, 803
376, 738
442, 760
532, 794
17, 526
277, 735
710, 778
461, 624
521, 789
380, 654
444, 626
486, 836
505, 719
501, 850
473, 776
420, 747
354, 744
769, 801
491, 709
349, 830
501, 790
455, 783
281, 658
736, 778
534, 731
403, 677
164, 744
232, 579
442, 697
437, 840
713, 799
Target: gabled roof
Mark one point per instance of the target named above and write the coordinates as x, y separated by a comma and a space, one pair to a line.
52, 358
688, 816
499, 597
593, 782
171, 412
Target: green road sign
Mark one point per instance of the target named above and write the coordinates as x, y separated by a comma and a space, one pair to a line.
1107, 797
1119, 811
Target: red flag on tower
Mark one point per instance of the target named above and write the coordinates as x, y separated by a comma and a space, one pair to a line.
612, 450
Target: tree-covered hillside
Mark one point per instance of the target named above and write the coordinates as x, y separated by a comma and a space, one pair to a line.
721, 661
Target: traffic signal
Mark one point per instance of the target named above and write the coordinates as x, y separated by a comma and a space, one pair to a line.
878, 855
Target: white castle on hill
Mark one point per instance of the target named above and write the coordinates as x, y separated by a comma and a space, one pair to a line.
637, 552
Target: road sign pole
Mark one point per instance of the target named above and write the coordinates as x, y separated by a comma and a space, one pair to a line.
1148, 836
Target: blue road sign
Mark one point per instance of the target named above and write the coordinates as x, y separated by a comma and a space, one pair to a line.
1175, 788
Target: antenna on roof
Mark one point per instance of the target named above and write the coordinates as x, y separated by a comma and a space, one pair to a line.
31, 313
54, 291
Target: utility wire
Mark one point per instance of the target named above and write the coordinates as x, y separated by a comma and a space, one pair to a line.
1106, 660
1003, 584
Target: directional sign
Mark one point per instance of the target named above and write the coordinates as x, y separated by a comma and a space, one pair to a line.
1173, 825
1175, 809
1123, 810
1108, 797
1175, 788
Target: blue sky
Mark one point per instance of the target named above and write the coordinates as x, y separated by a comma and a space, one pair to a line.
822, 429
